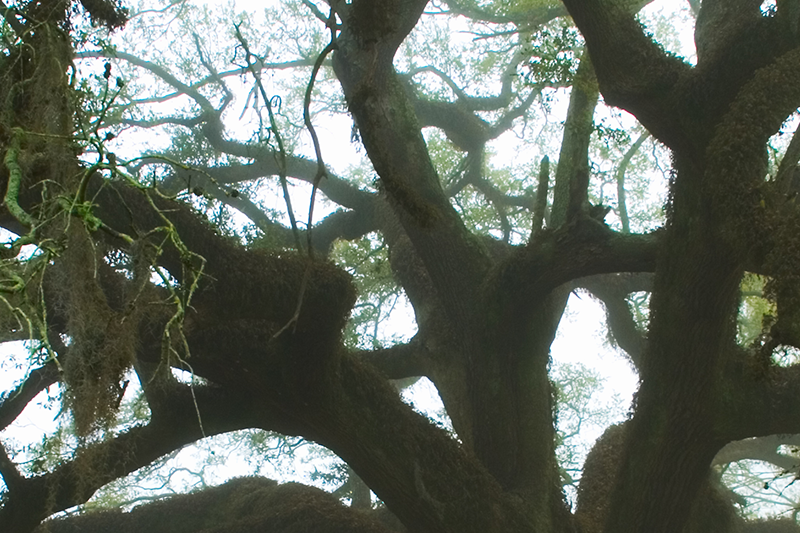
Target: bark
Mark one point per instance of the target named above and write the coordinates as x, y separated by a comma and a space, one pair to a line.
677, 427
241, 505
264, 328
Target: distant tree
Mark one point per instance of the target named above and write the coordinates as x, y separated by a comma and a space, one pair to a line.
126, 263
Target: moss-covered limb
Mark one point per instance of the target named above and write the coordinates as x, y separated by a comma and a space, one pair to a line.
399, 361
174, 346
575, 251
12, 251
35, 498
11, 199
424, 476
241, 505
240, 282
759, 401
737, 159
785, 176
693, 308
612, 290
721, 24
712, 510
634, 73
10, 16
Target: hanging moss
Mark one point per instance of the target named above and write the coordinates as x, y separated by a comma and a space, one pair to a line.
102, 338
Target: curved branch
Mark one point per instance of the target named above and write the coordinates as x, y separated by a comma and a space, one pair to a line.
786, 170
160, 72
612, 291
582, 248
766, 403
239, 71
392, 137
335, 188
400, 361
188, 122
462, 127
761, 449
29, 500
15, 401
445, 78
505, 122
634, 73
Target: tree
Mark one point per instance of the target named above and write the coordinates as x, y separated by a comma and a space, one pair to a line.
125, 274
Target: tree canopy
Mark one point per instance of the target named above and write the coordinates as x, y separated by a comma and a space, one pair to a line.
212, 215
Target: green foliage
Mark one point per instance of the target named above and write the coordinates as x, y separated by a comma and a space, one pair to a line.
579, 412
554, 51
368, 262
753, 310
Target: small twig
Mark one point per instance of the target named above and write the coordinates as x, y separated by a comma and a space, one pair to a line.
321, 172
280, 157
623, 166
213, 71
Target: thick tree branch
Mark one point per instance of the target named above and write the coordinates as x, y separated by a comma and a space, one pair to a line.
583, 248
346, 225
14, 402
391, 134
633, 72
29, 500
612, 291
393, 438
570, 192
528, 18
761, 449
10, 16
766, 403
400, 361
462, 127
